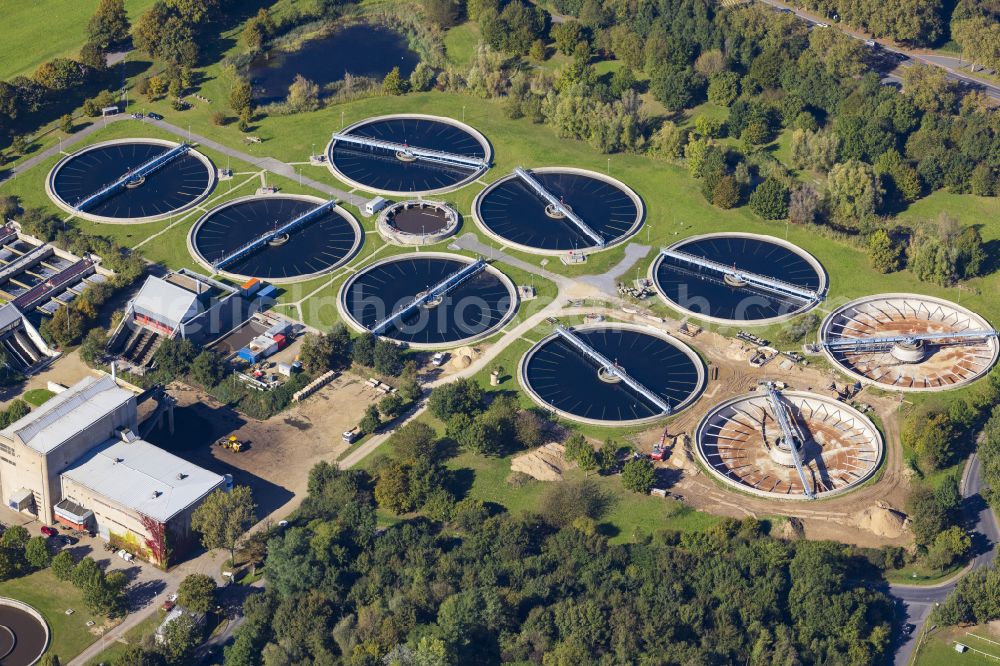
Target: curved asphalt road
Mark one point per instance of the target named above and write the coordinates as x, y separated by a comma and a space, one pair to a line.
917, 601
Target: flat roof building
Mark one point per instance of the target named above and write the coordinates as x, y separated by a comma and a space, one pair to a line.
76, 460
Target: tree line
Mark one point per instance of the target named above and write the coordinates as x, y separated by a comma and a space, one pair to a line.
485, 587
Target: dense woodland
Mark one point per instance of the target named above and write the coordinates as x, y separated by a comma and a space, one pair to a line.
487, 588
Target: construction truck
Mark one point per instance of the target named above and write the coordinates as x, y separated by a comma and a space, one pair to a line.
660, 448
231, 443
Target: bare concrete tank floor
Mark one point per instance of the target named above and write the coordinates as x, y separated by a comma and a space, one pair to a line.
738, 441
929, 366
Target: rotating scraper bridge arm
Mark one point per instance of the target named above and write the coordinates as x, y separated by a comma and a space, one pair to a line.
264, 238
890, 340
141, 171
781, 416
605, 364
558, 205
760, 281
438, 290
428, 154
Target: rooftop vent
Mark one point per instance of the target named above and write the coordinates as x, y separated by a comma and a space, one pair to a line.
181, 476
119, 460
156, 493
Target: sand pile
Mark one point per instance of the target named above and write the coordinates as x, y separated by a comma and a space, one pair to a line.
680, 456
546, 463
463, 357
882, 520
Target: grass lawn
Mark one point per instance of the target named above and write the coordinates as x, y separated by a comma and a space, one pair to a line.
133, 636
36, 397
41, 30
628, 518
460, 43
51, 598
938, 648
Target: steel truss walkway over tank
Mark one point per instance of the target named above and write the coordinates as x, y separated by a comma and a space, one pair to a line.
437, 291
760, 281
884, 343
415, 152
265, 238
611, 368
141, 171
793, 437
559, 206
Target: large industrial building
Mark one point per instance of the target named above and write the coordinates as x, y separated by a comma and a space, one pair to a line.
78, 461
181, 304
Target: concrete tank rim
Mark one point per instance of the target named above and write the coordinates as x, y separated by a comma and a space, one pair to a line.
472, 131
66, 207
383, 227
828, 321
813, 262
359, 236
357, 326
782, 497
678, 344
640, 217
31, 610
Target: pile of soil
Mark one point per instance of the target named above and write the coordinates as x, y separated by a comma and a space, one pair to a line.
546, 463
463, 357
882, 520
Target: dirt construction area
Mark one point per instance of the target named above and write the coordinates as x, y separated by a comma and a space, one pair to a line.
279, 452
865, 516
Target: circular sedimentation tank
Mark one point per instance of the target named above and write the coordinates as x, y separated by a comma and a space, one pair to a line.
318, 246
726, 298
512, 213
24, 634
474, 309
560, 378
417, 222
397, 173
910, 365
172, 188
741, 443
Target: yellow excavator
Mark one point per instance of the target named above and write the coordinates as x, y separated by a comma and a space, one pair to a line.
231, 443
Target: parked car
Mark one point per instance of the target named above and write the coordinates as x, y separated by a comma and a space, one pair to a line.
68, 540
154, 116
169, 604
49, 531
125, 555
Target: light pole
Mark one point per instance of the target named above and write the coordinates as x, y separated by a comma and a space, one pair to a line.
341, 119
609, 166
463, 113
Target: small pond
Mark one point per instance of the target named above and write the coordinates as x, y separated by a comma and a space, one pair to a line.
361, 49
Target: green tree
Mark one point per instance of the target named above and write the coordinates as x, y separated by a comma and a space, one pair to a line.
223, 518
36, 552
567, 35
409, 390
394, 83
363, 350
564, 502
370, 421
240, 96
770, 200
724, 88
63, 565
93, 346
855, 192
180, 639
948, 547
885, 255
388, 358
109, 24
391, 405
444, 13
726, 193
463, 396
316, 353
638, 475
196, 593
208, 368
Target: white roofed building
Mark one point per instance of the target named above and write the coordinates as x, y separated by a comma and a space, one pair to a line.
76, 460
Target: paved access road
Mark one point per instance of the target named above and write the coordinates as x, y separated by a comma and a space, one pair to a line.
948, 63
918, 601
